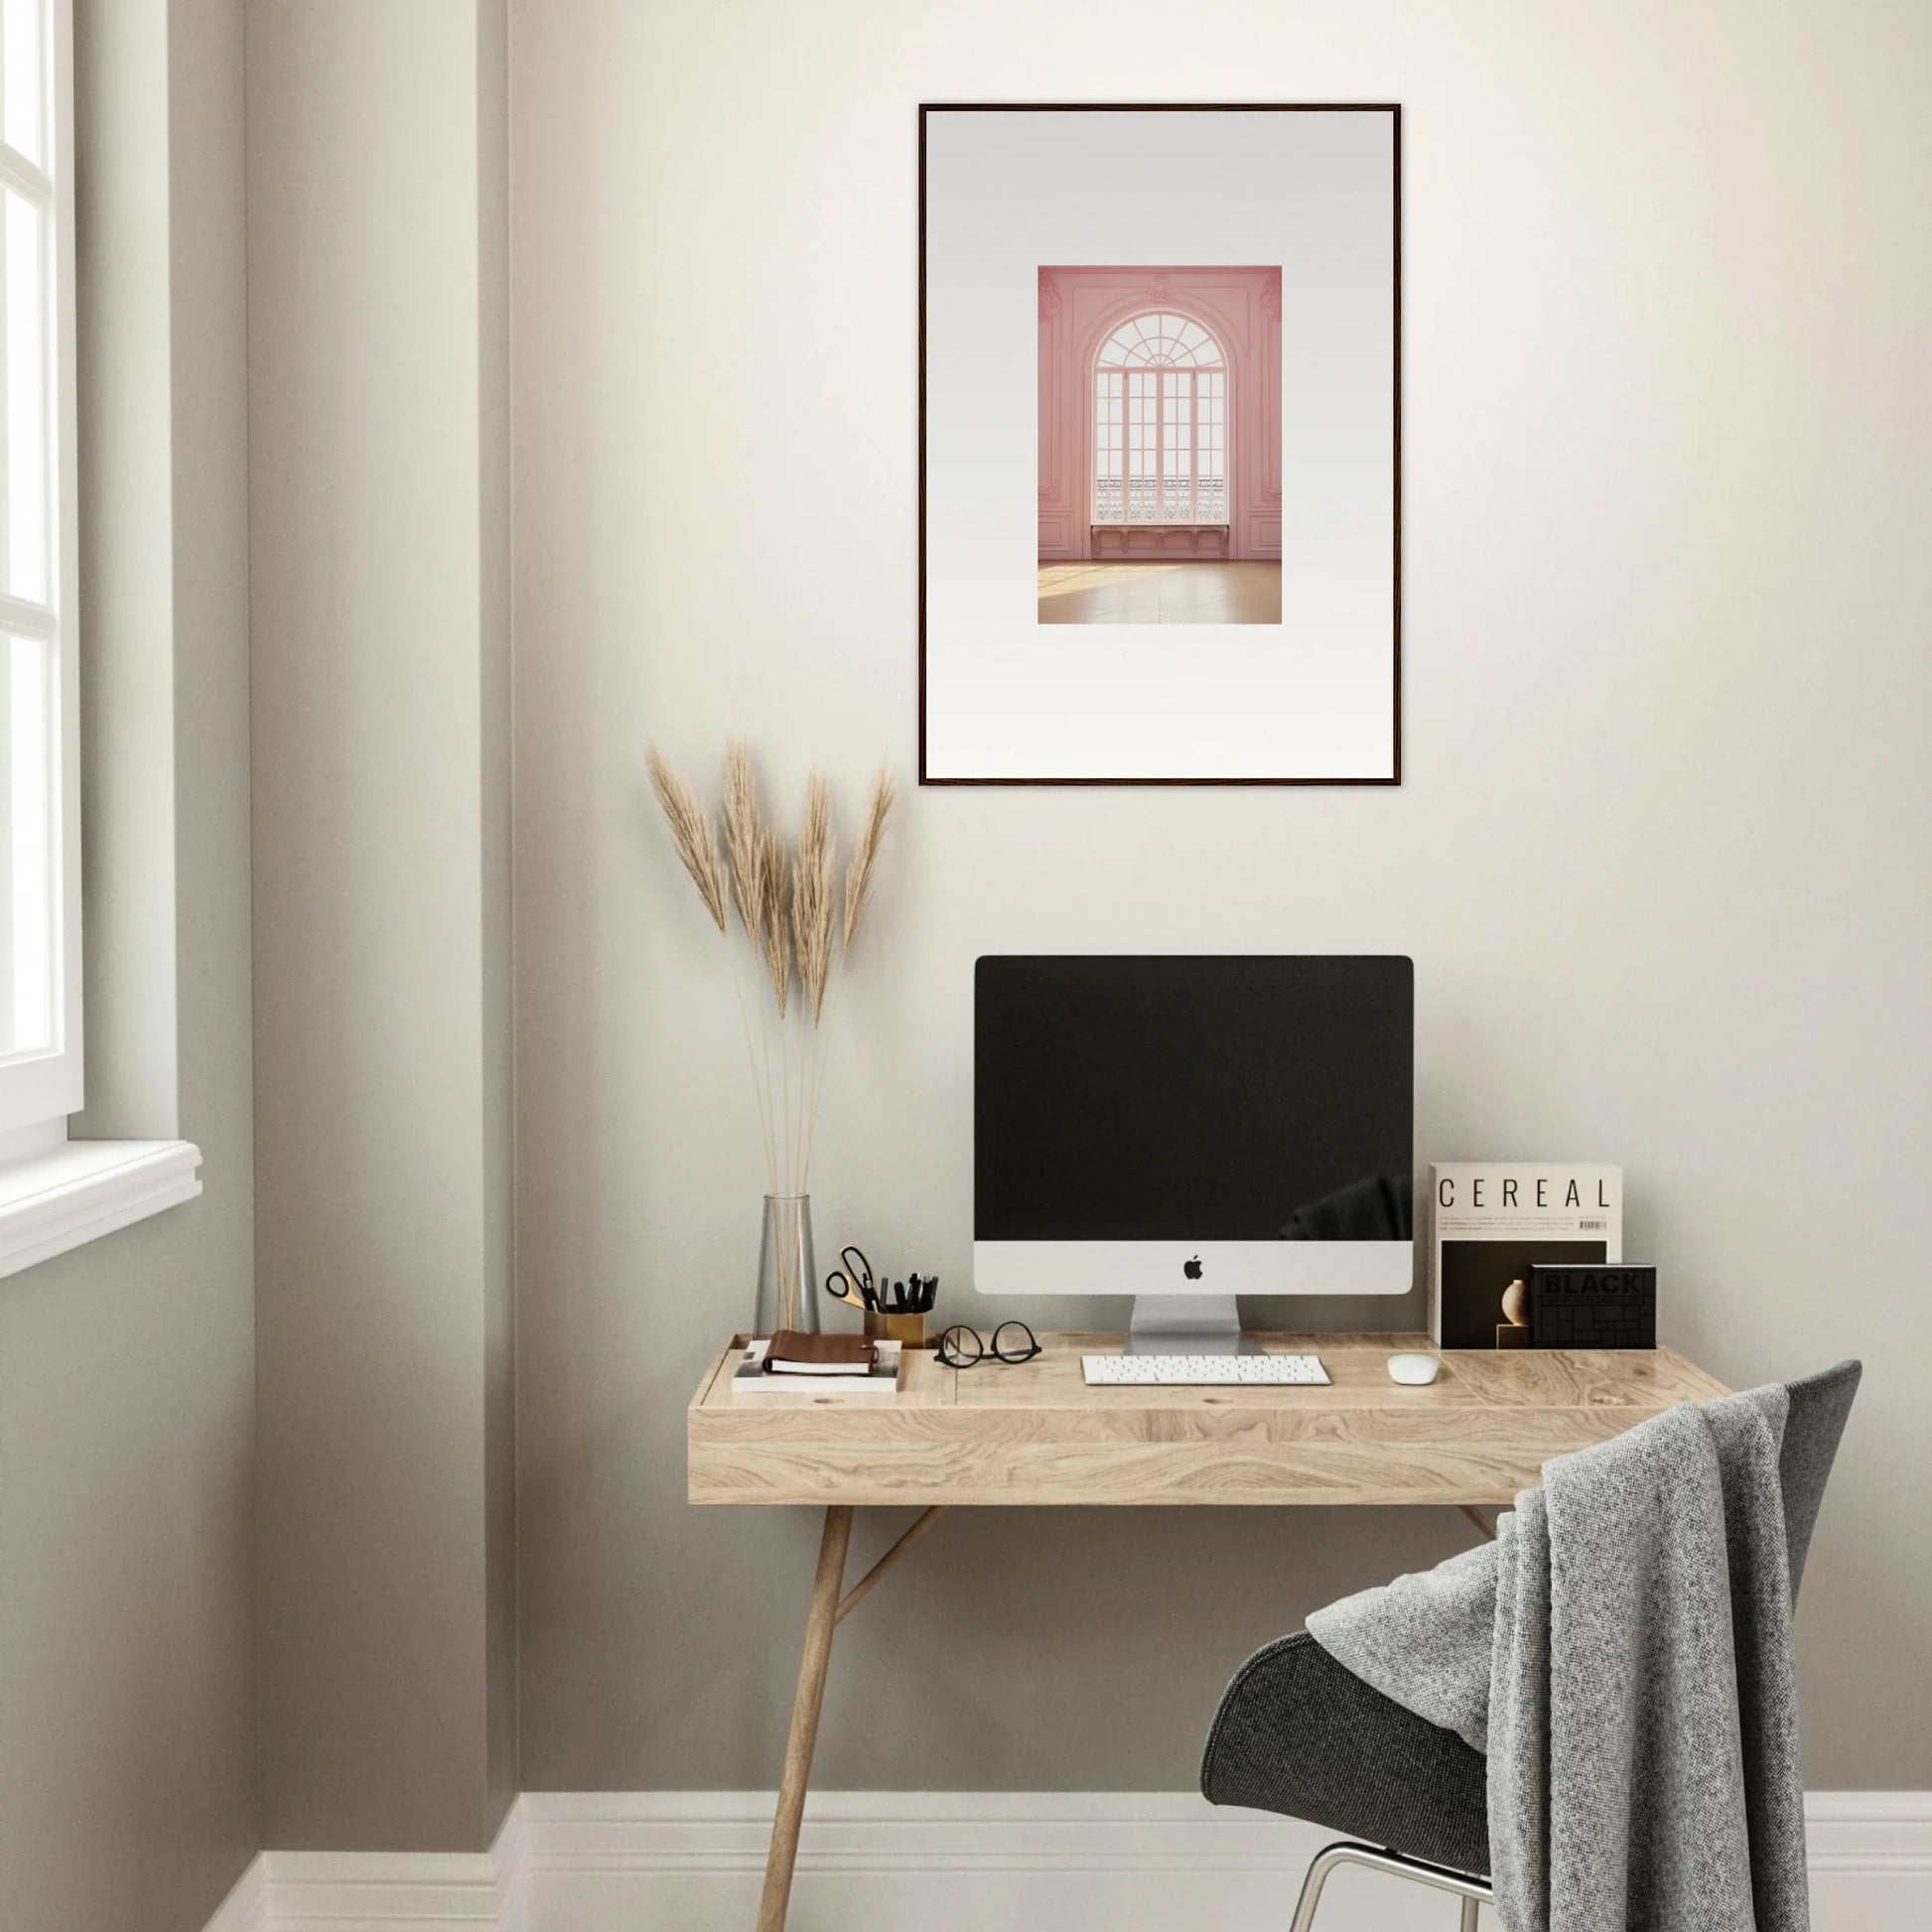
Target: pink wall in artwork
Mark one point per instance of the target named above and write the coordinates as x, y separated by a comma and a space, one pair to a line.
1079, 308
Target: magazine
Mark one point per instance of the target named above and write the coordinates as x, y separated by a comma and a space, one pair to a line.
1491, 1219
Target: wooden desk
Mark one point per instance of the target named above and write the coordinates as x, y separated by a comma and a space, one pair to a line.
1033, 1433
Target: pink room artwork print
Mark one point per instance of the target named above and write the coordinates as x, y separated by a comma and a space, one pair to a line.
1160, 444
1209, 420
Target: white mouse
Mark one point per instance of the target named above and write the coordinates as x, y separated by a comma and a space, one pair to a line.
1412, 1369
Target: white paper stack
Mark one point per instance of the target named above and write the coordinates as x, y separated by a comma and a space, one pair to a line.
752, 1381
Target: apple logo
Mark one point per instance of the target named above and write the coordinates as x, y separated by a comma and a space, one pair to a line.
1191, 1269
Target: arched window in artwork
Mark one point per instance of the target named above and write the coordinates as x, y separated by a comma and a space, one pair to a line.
1160, 444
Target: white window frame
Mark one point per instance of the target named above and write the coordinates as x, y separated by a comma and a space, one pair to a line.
57, 1192
1165, 378
40, 1088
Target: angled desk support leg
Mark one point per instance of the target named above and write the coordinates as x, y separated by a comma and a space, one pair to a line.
828, 1610
856, 1593
824, 1614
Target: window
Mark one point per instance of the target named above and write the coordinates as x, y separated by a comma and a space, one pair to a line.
55, 1194
1160, 446
39, 951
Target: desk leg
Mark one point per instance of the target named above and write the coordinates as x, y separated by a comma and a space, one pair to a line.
823, 1616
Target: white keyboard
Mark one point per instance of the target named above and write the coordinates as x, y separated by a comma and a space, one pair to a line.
1201, 1371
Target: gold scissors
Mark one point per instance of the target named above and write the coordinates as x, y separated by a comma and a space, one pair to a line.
852, 1280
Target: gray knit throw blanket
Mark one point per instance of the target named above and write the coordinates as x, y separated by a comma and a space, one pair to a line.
1623, 1652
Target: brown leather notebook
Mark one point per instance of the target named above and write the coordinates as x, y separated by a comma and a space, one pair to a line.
793, 1353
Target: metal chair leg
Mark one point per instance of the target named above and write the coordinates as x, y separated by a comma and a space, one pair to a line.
1473, 1891
1319, 1868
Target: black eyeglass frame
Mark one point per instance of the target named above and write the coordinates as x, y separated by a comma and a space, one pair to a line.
982, 1353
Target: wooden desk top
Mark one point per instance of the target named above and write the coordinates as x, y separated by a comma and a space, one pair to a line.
1036, 1433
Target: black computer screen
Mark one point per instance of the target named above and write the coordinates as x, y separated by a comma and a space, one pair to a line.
1231, 1098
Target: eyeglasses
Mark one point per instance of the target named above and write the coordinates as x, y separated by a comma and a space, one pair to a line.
1012, 1341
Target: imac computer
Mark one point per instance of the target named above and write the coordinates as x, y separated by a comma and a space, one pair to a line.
1185, 1129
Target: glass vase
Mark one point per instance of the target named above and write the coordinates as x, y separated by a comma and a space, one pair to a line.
788, 1273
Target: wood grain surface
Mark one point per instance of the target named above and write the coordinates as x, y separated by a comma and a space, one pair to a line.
1033, 1433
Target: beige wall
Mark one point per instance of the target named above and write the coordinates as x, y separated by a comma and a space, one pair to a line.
127, 1758
378, 438
1660, 855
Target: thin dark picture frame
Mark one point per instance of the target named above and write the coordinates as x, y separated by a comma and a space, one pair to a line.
1391, 108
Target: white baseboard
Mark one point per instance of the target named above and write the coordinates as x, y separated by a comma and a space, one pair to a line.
245, 1910
954, 1862
1869, 1853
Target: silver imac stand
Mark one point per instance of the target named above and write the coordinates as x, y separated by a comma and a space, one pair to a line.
1186, 1324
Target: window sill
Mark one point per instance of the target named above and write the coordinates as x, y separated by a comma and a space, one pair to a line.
82, 1189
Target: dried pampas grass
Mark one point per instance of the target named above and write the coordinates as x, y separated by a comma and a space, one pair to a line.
813, 897
787, 906
774, 915
744, 841
865, 855
691, 833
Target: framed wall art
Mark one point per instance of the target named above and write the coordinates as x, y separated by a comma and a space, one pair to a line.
1159, 442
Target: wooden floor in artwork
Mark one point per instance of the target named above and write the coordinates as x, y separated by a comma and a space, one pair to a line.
1160, 593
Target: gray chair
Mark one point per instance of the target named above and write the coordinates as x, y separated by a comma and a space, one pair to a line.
1298, 1733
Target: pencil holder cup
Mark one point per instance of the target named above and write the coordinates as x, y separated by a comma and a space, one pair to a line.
908, 1329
